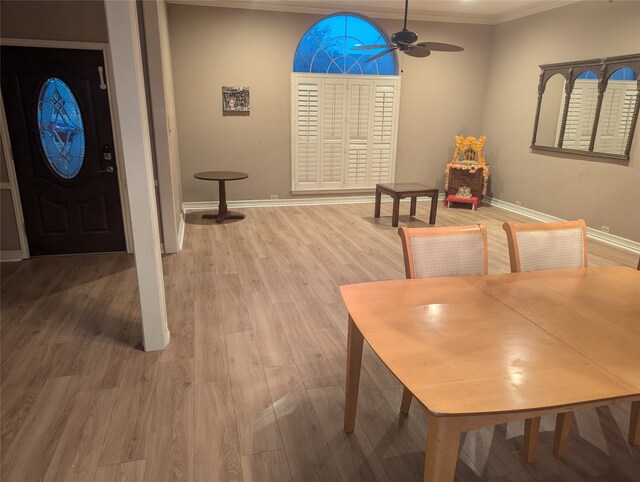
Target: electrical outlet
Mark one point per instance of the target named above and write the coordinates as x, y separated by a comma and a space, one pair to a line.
604, 229
518, 203
274, 196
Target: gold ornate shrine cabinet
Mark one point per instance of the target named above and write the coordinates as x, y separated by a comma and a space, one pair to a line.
471, 171
460, 175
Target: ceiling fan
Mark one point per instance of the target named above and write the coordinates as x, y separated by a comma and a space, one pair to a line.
404, 41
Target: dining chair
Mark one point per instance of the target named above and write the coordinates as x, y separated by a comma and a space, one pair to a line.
445, 251
450, 251
540, 246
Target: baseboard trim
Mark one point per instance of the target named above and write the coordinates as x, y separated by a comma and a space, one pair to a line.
181, 231
10, 255
188, 207
607, 238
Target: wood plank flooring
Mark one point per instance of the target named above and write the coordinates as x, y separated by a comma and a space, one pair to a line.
251, 387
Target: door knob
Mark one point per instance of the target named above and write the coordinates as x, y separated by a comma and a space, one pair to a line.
109, 170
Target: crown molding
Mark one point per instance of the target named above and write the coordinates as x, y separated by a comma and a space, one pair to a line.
530, 10
387, 14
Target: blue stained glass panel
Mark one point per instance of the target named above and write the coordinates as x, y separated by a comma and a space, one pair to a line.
61, 128
327, 48
587, 75
624, 73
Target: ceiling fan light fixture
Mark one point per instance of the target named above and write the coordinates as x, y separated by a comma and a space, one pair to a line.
404, 36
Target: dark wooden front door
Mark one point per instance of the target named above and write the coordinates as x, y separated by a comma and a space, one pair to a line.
57, 109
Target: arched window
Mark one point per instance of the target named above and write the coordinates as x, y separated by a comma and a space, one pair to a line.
327, 48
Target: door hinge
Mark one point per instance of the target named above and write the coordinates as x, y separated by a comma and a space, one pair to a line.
103, 86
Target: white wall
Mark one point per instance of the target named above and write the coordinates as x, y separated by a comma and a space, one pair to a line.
162, 105
567, 186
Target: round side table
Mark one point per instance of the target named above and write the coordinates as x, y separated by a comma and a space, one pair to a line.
222, 177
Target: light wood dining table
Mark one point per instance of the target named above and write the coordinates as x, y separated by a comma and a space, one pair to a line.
484, 350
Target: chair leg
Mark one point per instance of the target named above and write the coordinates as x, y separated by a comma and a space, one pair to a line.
405, 405
561, 437
531, 431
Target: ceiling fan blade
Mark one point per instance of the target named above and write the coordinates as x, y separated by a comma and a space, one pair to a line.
371, 47
415, 51
380, 55
440, 47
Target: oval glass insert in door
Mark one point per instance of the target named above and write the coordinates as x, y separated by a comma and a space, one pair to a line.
61, 128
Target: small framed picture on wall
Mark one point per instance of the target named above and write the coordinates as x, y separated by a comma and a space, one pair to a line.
235, 99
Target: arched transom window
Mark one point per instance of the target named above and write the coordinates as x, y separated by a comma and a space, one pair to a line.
327, 48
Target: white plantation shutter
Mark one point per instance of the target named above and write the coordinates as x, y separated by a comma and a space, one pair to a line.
306, 140
359, 110
332, 138
383, 133
359, 132
615, 117
581, 114
344, 131
383, 113
608, 123
628, 104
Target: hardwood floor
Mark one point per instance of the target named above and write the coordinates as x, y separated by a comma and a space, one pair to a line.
251, 387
